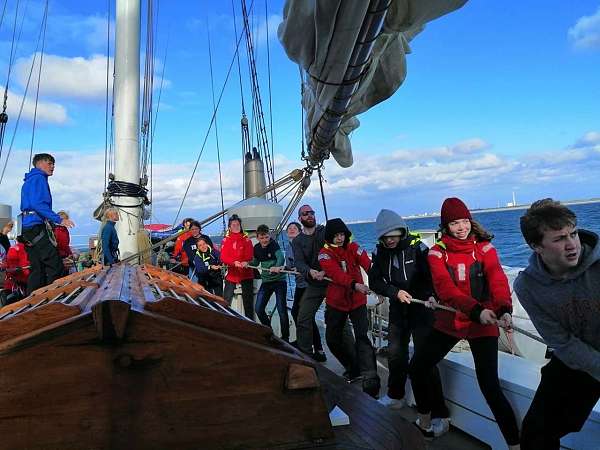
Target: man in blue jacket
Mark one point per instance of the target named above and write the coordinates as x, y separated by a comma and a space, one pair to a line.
38, 218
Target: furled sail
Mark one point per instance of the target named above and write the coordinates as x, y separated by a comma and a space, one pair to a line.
322, 36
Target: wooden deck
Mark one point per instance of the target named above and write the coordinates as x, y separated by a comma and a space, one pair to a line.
372, 426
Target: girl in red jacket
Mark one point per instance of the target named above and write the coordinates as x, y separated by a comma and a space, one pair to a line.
17, 272
467, 276
347, 297
236, 249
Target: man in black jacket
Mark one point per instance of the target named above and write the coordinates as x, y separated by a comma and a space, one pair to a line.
400, 271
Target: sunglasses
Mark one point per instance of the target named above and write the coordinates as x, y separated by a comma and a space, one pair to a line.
308, 213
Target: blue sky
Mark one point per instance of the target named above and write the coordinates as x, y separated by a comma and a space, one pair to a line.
499, 97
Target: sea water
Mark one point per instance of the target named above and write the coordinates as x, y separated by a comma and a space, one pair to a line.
503, 224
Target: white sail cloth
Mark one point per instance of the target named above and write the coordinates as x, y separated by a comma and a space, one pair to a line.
320, 35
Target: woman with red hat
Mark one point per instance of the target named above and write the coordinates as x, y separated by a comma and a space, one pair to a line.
467, 276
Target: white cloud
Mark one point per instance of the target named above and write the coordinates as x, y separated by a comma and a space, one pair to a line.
373, 181
268, 27
77, 77
91, 31
585, 34
47, 112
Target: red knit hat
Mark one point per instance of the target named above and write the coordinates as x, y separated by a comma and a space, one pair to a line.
453, 209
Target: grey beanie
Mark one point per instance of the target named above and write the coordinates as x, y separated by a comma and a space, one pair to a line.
387, 221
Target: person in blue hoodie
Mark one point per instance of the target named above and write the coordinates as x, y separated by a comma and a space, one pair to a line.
38, 219
560, 290
110, 240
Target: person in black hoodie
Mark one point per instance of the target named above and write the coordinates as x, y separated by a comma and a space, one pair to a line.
400, 270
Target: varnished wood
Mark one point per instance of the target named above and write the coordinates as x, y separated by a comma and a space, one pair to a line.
110, 318
300, 376
38, 317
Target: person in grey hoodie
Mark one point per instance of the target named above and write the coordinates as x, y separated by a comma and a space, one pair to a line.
400, 269
560, 290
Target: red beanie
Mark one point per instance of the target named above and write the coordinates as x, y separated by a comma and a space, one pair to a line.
453, 209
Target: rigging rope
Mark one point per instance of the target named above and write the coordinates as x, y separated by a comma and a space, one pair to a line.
322, 192
270, 92
3, 11
107, 92
12, 141
37, 92
212, 88
208, 131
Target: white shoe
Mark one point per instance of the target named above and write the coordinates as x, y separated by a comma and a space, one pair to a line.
440, 426
392, 403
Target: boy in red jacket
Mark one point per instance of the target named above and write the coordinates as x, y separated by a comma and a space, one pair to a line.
236, 249
347, 298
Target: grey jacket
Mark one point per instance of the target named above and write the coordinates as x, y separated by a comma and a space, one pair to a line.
306, 252
566, 312
387, 220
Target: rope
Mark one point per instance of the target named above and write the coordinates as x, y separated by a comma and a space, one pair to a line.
187, 189
212, 88
238, 59
37, 92
106, 132
270, 92
322, 193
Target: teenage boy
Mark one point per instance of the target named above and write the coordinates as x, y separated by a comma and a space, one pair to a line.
560, 289
269, 257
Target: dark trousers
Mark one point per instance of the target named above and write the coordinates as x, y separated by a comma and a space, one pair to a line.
357, 359
266, 290
45, 264
298, 293
561, 405
398, 355
247, 295
485, 355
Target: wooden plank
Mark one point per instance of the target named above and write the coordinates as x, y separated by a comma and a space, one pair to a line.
370, 421
217, 321
165, 386
21, 324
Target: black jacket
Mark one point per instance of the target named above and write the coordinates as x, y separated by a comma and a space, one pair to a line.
306, 254
403, 268
189, 247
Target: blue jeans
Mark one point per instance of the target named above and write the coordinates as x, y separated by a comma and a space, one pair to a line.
262, 298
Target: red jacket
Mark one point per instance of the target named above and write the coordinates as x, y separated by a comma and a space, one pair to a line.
16, 257
467, 274
63, 239
178, 250
332, 259
237, 247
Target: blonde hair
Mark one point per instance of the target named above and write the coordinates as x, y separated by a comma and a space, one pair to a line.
63, 214
108, 212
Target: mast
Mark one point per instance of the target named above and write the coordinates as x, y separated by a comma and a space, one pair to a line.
127, 126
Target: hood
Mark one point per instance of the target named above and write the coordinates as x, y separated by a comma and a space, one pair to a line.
34, 173
334, 226
590, 250
387, 221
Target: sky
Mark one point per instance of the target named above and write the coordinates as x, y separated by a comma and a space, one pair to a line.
499, 97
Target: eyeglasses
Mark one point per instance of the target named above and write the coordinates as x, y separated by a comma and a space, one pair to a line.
308, 213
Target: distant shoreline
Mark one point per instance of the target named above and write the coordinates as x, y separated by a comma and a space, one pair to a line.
483, 210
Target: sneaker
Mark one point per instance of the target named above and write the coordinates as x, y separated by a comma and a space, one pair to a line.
351, 378
427, 433
319, 356
440, 426
392, 403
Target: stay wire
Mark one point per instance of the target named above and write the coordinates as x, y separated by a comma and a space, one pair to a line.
212, 88
106, 131
322, 193
3, 11
12, 141
37, 92
270, 92
208, 131
238, 58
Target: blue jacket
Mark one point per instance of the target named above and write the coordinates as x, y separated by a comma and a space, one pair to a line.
110, 243
35, 196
